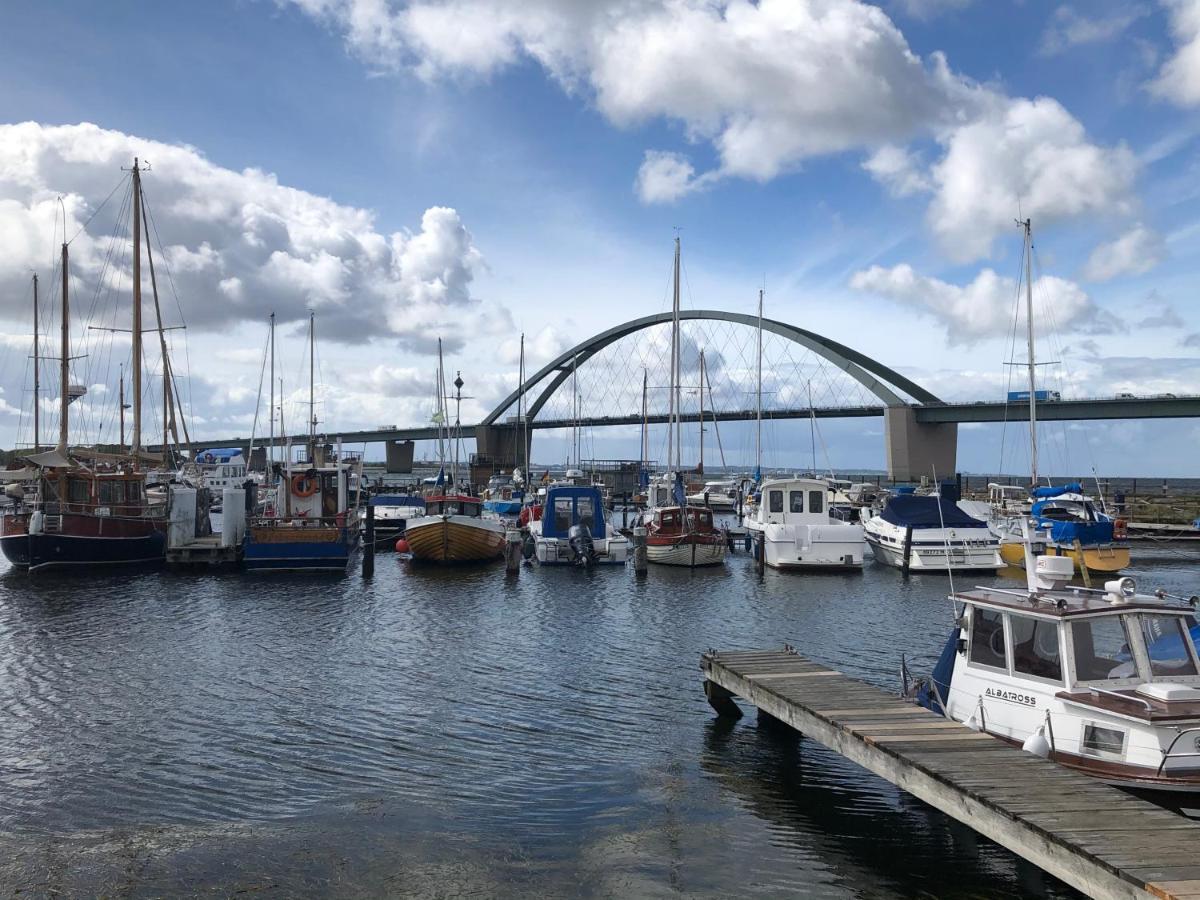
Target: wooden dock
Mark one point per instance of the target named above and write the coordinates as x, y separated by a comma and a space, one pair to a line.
1096, 838
203, 551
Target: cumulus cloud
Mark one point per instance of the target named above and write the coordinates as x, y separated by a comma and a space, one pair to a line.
984, 307
768, 85
540, 348
1136, 251
238, 245
927, 9
1069, 28
1179, 78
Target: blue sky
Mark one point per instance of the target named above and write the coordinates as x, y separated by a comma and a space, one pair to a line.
475, 168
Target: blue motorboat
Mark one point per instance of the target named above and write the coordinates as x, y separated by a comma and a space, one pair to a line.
306, 525
573, 532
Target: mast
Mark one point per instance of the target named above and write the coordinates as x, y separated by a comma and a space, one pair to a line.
520, 409
137, 313
758, 397
812, 428
168, 423
121, 406
37, 431
271, 427
701, 412
312, 402
64, 362
645, 422
575, 411
672, 427
1033, 445
443, 425
458, 386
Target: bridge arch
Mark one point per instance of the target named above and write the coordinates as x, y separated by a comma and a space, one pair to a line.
877, 378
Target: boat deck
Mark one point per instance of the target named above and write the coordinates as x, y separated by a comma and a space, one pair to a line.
205, 550
1096, 838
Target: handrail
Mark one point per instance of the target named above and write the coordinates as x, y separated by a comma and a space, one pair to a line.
1171, 747
1131, 697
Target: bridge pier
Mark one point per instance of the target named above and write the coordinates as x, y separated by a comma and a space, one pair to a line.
917, 448
399, 457
498, 448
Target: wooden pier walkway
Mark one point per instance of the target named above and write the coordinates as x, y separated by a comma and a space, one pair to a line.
1096, 838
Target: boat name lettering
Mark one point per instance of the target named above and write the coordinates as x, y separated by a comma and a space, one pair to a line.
1010, 697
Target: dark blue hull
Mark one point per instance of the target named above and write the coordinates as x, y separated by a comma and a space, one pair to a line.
292, 555
38, 552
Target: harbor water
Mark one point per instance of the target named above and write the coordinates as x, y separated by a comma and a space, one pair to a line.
445, 732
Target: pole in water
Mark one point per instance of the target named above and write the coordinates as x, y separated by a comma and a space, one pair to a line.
368, 561
639, 550
512, 551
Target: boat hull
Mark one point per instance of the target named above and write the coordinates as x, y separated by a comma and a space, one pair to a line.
793, 547
84, 542
933, 558
691, 552
278, 548
454, 539
1103, 559
557, 552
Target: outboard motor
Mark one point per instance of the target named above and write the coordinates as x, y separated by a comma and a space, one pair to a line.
583, 548
528, 546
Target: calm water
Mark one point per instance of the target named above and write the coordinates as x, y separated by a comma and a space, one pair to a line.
437, 733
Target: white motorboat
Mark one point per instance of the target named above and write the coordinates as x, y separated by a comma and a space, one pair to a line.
792, 528
717, 495
927, 533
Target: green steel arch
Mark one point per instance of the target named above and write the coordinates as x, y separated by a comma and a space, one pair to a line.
874, 376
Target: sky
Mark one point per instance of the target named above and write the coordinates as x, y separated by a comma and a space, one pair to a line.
471, 170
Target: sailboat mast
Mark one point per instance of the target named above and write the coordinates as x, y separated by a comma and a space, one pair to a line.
575, 410
443, 419
671, 410
701, 411
136, 331
645, 420
65, 360
521, 410
812, 428
121, 407
1033, 445
758, 396
458, 386
271, 426
312, 401
37, 431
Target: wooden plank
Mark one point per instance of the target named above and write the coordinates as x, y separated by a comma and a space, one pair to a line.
776, 675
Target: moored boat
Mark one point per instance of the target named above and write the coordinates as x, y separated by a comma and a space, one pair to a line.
929, 533
573, 530
792, 528
306, 525
1069, 524
453, 530
684, 536
393, 512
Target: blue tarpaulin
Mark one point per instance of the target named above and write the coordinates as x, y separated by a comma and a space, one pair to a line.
927, 511
941, 677
1043, 492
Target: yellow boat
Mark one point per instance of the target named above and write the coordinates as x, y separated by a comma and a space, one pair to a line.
453, 530
1104, 559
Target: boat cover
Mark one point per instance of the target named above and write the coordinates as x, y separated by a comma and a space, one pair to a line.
927, 511
576, 492
1088, 534
218, 455
1043, 492
940, 679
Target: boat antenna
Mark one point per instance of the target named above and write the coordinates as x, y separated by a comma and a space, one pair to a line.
945, 540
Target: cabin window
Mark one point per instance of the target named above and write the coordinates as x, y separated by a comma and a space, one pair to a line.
1101, 649
776, 501
133, 491
796, 501
586, 512
987, 638
112, 492
1167, 646
77, 491
1035, 647
816, 501
670, 519
562, 514
1100, 741
702, 519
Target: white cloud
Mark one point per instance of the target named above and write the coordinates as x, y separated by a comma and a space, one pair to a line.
1027, 155
927, 9
984, 307
1069, 28
239, 245
768, 85
540, 348
1179, 79
898, 169
1136, 251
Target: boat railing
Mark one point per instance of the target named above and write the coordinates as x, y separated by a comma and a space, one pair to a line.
294, 521
1170, 753
1128, 698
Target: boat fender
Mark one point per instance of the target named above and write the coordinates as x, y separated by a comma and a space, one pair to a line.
305, 485
35, 521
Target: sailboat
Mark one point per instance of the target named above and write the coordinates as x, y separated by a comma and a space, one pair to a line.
1067, 522
88, 508
453, 528
678, 534
307, 523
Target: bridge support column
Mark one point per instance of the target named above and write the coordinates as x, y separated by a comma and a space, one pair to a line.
399, 457
915, 449
498, 448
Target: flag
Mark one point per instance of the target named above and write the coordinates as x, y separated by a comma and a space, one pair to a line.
546, 477
437, 418
441, 479
677, 492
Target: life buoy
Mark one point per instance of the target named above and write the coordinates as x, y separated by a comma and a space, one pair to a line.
305, 485
1120, 529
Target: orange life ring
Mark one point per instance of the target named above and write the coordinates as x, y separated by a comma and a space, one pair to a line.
1120, 529
304, 486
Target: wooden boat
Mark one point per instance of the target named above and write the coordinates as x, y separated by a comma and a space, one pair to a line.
307, 524
453, 530
684, 536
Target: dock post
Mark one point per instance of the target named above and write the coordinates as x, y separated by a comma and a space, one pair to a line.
721, 699
368, 562
625, 513
512, 551
907, 548
639, 549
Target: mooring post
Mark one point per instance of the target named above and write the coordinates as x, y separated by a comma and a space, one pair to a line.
721, 699
907, 547
368, 565
639, 549
512, 550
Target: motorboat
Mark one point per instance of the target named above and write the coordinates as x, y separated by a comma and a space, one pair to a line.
572, 530
306, 522
930, 533
393, 512
717, 495
684, 536
792, 528
502, 497
453, 530
1103, 681
1070, 524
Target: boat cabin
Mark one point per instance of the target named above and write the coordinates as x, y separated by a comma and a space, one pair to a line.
94, 493
312, 494
568, 505
793, 501
453, 505
683, 520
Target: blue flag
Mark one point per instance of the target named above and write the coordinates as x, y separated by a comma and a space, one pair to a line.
441, 479
677, 492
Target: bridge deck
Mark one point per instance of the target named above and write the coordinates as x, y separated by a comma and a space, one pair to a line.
1096, 838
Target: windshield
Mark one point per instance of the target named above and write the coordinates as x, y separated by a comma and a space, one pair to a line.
1166, 646
1101, 649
